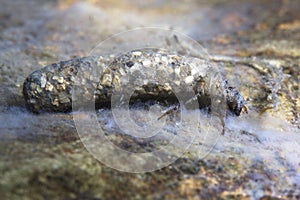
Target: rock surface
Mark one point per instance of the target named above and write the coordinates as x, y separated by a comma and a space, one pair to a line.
254, 43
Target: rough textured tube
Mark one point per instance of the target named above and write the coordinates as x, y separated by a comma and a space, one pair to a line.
153, 74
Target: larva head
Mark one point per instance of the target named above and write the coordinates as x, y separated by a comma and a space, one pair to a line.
235, 100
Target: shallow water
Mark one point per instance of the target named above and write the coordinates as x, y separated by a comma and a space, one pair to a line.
36, 33
254, 136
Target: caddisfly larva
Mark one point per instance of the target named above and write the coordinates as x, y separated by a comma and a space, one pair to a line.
148, 75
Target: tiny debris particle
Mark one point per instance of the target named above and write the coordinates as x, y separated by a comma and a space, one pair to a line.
59, 79
146, 63
194, 71
106, 80
49, 87
135, 67
43, 81
55, 102
177, 71
164, 59
33, 86
157, 59
145, 82
63, 98
136, 53
39, 89
117, 83
54, 77
129, 64
189, 79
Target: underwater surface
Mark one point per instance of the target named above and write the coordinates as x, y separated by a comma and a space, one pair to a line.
253, 44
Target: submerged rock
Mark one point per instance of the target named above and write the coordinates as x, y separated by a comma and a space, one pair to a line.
42, 156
